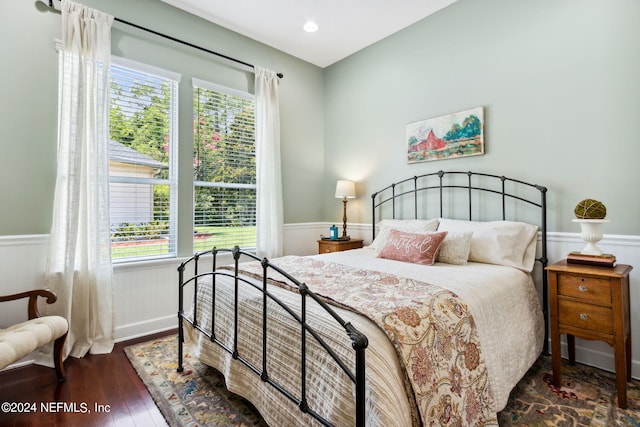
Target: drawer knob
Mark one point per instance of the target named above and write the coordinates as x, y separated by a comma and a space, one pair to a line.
582, 288
584, 316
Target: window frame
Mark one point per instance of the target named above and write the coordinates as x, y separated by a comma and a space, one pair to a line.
172, 180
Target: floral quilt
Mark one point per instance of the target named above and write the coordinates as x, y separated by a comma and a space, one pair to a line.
432, 331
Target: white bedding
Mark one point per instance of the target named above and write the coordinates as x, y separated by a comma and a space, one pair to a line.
504, 303
502, 300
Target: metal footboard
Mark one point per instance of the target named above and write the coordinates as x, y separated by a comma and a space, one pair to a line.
359, 341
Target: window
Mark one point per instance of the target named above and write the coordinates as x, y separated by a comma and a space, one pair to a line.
142, 164
224, 167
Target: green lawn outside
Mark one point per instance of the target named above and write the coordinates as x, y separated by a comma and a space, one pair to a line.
205, 238
224, 237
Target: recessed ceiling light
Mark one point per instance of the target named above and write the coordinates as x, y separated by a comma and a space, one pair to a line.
310, 27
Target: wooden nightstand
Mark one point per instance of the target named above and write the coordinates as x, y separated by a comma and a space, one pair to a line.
327, 246
591, 303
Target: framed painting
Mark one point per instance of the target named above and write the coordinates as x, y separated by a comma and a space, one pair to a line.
446, 137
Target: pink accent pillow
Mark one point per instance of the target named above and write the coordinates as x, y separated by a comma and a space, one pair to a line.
411, 247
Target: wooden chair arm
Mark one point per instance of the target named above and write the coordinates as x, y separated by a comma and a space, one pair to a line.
33, 299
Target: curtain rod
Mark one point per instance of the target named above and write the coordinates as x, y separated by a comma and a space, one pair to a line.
168, 37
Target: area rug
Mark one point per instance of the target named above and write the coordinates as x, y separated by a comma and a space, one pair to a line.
587, 397
198, 397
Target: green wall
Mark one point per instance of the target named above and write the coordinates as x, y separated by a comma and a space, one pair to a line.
559, 81
28, 107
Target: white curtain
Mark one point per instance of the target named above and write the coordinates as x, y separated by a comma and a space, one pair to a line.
269, 211
79, 258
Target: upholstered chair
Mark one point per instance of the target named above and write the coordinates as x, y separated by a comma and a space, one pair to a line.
17, 341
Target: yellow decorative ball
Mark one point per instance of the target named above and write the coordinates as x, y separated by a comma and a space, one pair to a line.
590, 209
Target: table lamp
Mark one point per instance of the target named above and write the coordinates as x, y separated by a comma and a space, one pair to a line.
345, 190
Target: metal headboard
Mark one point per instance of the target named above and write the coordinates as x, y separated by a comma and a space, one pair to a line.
417, 190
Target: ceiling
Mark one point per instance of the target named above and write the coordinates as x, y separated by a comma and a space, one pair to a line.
345, 26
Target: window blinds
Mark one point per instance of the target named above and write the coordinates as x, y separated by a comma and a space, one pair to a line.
224, 168
142, 162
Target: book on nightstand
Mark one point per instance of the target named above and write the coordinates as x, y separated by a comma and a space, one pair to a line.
604, 260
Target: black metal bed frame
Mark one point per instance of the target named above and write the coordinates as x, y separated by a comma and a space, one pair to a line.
359, 341
446, 180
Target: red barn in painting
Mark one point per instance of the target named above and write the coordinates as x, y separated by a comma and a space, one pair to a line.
432, 142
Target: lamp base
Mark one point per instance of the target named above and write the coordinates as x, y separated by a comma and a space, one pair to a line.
344, 221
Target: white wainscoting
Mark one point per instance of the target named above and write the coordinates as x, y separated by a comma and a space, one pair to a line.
22, 264
146, 295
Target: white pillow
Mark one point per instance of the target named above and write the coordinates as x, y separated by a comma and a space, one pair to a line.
455, 248
507, 243
407, 225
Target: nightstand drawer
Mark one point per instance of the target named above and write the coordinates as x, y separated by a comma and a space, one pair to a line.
585, 288
324, 248
585, 316
329, 246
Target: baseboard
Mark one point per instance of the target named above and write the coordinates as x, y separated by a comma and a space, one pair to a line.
598, 356
147, 327
24, 362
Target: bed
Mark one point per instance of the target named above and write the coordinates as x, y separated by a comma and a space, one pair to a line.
432, 324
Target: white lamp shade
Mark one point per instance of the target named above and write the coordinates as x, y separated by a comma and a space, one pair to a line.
346, 189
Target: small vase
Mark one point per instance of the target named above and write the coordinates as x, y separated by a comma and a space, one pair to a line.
591, 234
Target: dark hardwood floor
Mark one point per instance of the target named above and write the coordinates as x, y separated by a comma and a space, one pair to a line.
100, 390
